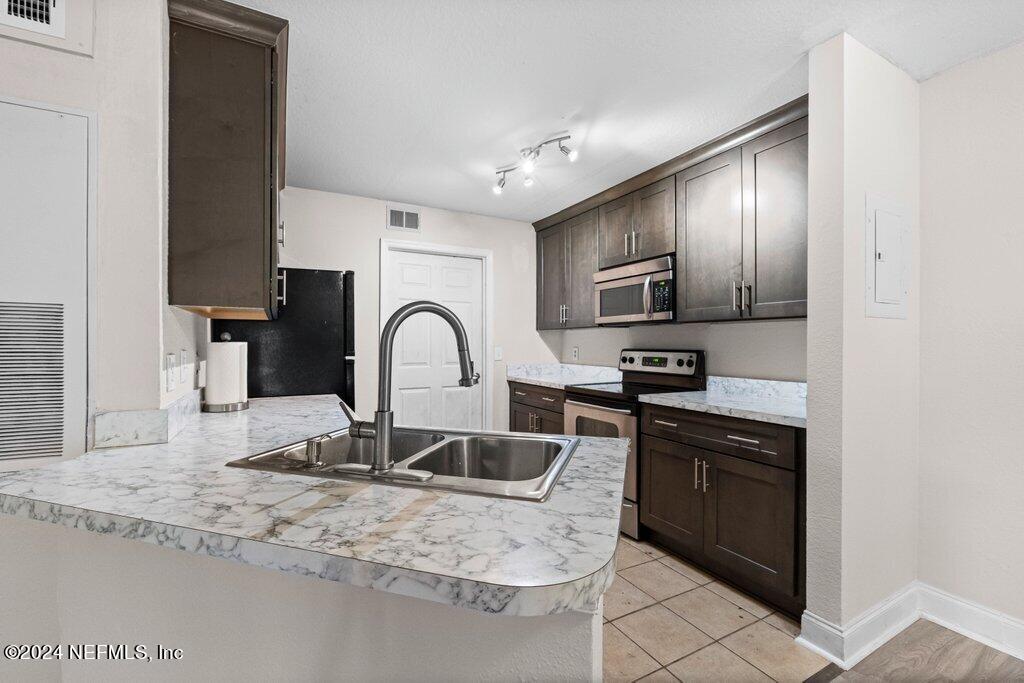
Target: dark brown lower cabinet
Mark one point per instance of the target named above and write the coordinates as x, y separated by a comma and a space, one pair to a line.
525, 416
667, 503
740, 518
750, 520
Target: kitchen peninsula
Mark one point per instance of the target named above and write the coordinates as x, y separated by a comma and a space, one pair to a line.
513, 586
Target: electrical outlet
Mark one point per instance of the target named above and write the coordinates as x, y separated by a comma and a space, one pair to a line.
498, 353
575, 353
183, 366
170, 372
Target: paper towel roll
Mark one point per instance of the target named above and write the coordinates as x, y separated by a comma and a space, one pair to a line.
226, 373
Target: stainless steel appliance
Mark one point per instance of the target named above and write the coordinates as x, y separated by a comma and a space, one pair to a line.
613, 409
641, 292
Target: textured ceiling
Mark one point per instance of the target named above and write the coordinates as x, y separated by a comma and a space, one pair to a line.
418, 101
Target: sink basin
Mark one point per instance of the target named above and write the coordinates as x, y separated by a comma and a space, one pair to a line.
493, 464
340, 448
490, 457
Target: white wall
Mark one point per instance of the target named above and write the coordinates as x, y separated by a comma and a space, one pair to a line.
863, 372
124, 82
772, 349
343, 232
972, 370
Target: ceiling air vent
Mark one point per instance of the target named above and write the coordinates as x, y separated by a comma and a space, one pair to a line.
31, 379
39, 16
403, 217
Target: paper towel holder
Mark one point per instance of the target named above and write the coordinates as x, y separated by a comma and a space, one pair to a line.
230, 407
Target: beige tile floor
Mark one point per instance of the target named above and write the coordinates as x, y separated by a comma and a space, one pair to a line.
667, 620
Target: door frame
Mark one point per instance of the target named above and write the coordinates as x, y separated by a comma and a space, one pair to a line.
486, 256
91, 256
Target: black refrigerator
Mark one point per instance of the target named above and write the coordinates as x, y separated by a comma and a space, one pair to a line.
310, 348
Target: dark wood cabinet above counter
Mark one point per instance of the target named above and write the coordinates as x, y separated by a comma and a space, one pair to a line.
566, 261
733, 212
226, 129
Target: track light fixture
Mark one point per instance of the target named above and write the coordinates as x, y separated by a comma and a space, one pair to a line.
498, 186
528, 157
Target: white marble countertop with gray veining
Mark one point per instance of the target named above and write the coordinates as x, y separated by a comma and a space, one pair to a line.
560, 375
501, 556
783, 403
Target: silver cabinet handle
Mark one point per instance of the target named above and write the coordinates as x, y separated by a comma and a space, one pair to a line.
625, 244
547, 398
283, 296
743, 440
745, 295
648, 301
633, 232
705, 477
530, 421
734, 288
695, 474
565, 316
663, 423
280, 234
520, 393
750, 296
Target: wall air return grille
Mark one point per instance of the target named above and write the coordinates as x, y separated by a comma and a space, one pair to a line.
31, 379
403, 217
39, 16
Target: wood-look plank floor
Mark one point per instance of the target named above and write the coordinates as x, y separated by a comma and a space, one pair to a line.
926, 651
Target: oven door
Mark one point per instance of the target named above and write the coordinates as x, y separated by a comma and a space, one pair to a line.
630, 299
586, 419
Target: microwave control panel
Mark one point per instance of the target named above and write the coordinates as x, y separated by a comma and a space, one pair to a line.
663, 293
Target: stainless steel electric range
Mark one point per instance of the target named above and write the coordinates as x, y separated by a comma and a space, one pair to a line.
613, 409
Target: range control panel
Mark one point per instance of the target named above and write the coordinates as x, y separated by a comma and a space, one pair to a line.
666, 362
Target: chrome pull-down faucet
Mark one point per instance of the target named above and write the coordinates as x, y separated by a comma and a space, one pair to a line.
383, 420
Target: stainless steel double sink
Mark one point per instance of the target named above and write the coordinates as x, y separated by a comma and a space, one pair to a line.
493, 464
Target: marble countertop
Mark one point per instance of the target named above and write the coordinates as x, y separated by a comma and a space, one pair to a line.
500, 556
783, 403
560, 375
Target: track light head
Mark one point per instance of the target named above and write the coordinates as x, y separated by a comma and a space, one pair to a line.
571, 153
529, 162
499, 185
528, 181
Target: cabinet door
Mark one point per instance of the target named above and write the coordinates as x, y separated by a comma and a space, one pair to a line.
750, 520
550, 277
709, 239
548, 422
656, 220
519, 418
671, 500
580, 266
775, 223
616, 225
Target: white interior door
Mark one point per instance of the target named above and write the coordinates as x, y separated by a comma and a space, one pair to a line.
425, 387
44, 219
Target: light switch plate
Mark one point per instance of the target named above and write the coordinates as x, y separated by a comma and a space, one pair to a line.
575, 353
498, 353
170, 373
184, 366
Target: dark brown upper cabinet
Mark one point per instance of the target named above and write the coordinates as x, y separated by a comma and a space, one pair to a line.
775, 223
226, 135
709, 239
638, 226
566, 262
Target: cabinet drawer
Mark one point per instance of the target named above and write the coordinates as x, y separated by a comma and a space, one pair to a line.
763, 442
538, 397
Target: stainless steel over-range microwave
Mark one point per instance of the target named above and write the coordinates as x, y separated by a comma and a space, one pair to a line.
641, 292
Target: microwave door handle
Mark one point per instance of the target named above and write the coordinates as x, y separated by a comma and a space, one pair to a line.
648, 303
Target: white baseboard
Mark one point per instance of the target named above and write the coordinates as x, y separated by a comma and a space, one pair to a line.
848, 645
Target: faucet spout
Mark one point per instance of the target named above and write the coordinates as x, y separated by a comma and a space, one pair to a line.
381, 427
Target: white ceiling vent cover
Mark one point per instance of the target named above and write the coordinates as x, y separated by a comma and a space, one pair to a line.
39, 16
403, 217
31, 379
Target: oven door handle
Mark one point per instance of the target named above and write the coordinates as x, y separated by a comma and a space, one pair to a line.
621, 411
648, 302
